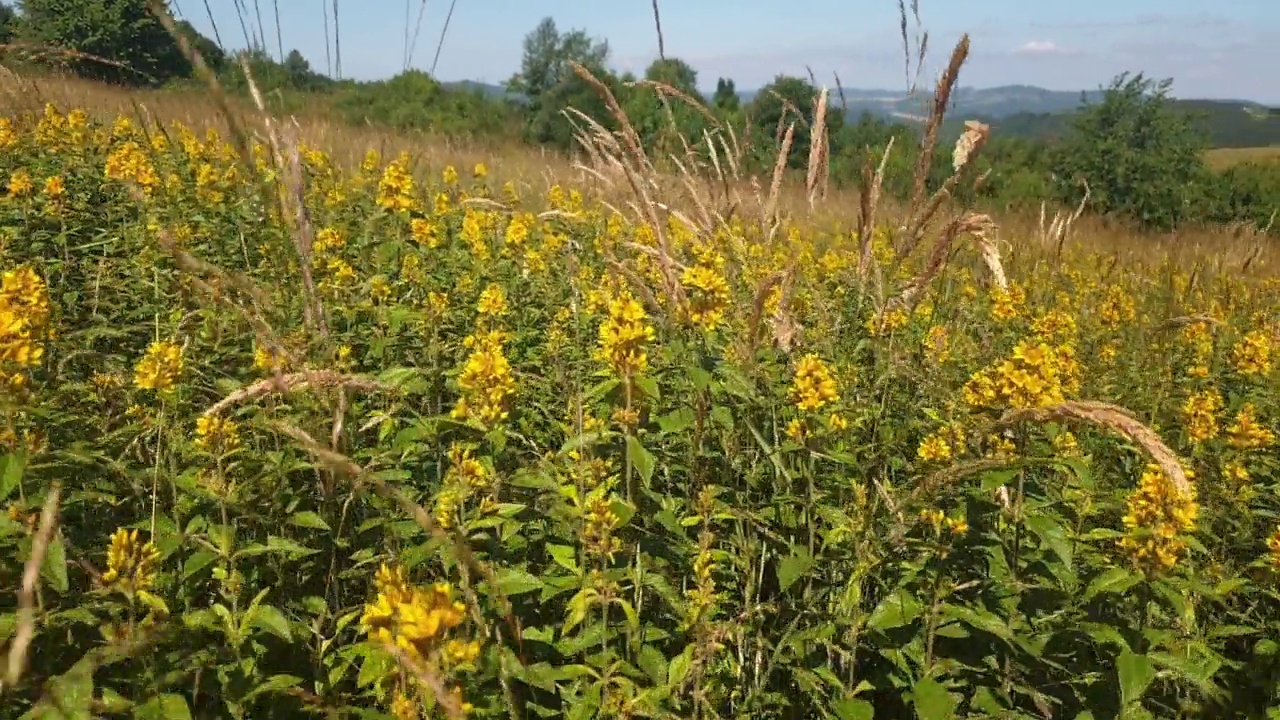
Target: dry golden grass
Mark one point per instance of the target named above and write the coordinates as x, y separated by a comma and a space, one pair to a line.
538, 168
1221, 158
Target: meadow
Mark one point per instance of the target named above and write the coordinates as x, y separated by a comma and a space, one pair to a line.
307, 420
1219, 158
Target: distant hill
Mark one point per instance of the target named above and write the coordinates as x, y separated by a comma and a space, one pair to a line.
1229, 124
486, 89
1036, 113
1026, 111
996, 102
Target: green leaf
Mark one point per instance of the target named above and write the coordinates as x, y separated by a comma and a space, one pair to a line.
792, 567
276, 544
512, 581
1053, 535
996, 478
544, 635
677, 420
113, 702
932, 701
269, 618
679, 667
198, 561
275, 683
309, 519
378, 664
163, 707
900, 608
1136, 673
641, 459
648, 386
653, 663
1115, 580
565, 556
852, 708
69, 695
14, 465
980, 619
54, 568
1199, 667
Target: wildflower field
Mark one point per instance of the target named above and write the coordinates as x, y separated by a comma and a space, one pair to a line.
285, 438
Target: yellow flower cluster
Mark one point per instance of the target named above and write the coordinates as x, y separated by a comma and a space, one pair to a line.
1156, 514
518, 229
942, 445
396, 187
598, 524
1006, 304
24, 316
8, 137
425, 232
708, 295
1252, 355
937, 520
486, 381
493, 301
129, 163
417, 620
813, 386
883, 323
131, 566
1117, 307
267, 361
1200, 415
1199, 335
937, 345
622, 337
20, 184
1273, 549
1054, 326
217, 434
466, 475
1245, 433
1034, 375
159, 368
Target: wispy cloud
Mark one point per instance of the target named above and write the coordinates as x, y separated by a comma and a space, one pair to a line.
1040, 47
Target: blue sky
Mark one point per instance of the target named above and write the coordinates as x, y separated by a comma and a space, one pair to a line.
1222, 49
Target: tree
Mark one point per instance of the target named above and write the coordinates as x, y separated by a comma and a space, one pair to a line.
548, 124
776, 105
545, 64
213, 55
1142, 158
660, 132
549, 85
674, 72
726, 96
137, 48
8, 24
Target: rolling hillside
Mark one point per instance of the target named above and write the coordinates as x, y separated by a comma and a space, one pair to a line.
1228, 124
1031, 112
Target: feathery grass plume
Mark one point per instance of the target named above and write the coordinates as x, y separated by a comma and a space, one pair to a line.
25, 623
1055, 233
1115, 419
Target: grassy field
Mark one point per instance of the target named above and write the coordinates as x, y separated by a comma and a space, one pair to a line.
310, 420
1220, 158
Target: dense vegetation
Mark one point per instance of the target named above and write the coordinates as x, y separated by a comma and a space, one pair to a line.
1140, 152
283, 438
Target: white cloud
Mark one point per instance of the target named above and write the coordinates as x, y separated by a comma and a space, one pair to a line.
1038, 47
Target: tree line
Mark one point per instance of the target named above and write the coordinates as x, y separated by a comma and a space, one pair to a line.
1140, 156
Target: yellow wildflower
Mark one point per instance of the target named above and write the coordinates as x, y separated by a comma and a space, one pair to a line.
813, 386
